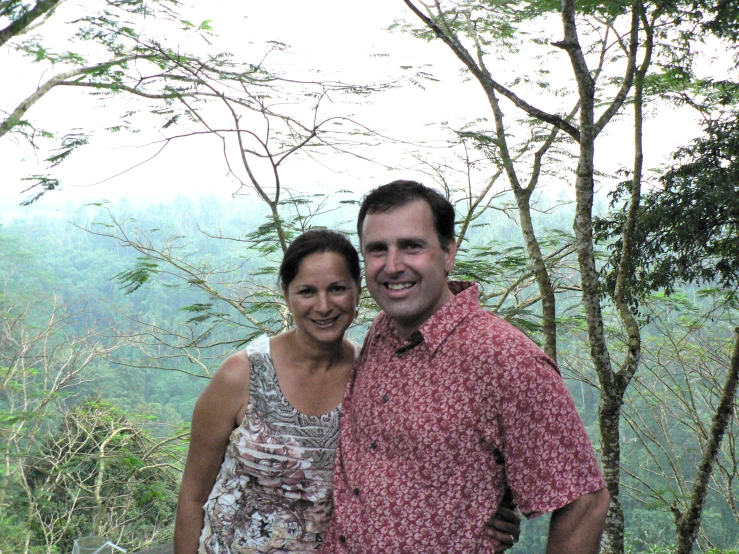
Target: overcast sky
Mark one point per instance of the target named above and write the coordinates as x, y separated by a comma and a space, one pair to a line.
347, 41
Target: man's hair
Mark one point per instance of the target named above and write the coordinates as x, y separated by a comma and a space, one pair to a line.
399, 193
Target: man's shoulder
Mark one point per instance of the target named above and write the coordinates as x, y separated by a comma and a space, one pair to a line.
491, 339
495, 328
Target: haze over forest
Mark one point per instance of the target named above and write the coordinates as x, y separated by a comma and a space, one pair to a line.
590, 149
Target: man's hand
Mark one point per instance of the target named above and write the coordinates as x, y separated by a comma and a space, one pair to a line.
504, 527
577, 527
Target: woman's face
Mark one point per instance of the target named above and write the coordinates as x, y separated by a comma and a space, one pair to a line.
323, 297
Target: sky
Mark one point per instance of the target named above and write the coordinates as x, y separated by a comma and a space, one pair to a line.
346, 41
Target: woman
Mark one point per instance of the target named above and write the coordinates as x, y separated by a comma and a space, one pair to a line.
259, 469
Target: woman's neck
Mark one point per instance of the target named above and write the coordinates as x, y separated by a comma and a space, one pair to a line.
313, 355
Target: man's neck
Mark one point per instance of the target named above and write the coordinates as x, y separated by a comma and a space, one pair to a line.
404, 331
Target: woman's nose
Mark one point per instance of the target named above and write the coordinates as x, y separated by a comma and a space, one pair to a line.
322, 303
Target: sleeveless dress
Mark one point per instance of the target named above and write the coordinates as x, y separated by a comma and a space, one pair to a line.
273, 491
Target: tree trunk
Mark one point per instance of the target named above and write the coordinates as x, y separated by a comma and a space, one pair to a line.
609, 410
523, 201
688, 523
612, 384
23, 23
548, 302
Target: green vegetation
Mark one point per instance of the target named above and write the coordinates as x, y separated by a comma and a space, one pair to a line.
112, 323
126, 366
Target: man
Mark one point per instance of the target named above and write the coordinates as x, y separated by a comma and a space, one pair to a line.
449, 406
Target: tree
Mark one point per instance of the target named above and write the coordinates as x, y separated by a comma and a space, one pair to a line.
687, 233
41, 363
174, 71
102, 472
673, 406
105, 53
22, 18
618, 53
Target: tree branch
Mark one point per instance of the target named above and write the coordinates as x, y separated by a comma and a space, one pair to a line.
487, 81
20, 25
61, 79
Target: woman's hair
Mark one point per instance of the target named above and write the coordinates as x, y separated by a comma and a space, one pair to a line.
318, 241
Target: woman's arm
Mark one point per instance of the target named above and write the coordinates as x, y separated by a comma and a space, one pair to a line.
215, 416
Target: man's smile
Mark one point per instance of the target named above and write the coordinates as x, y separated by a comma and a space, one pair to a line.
400, 286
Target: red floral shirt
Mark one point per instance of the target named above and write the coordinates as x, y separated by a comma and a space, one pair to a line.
433, 428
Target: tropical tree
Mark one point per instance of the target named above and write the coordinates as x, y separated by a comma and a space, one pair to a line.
686, 232
474, 32
103, 52
174, 72
101, 472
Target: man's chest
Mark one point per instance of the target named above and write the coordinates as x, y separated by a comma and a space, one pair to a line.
417, 404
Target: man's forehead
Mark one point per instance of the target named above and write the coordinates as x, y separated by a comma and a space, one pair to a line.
401, 215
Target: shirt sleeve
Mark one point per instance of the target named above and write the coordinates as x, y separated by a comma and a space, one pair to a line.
549, 460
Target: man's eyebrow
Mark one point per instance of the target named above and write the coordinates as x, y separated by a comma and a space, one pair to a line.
402, 243
374, 244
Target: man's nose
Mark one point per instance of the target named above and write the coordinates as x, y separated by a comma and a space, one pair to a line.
394, 261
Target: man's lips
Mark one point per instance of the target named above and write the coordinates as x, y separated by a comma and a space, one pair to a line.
399, 286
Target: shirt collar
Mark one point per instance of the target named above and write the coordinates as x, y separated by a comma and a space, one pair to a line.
442, 322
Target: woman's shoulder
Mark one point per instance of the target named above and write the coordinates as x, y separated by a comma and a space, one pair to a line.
259, 346
234, 371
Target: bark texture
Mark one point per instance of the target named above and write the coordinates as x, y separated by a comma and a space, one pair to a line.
613, 384
689, 523
476, 65
21, 24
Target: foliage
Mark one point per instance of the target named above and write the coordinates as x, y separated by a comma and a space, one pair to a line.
174, 72
100, 472
104, 52
688, 227
669, 411
71, 468
73, 264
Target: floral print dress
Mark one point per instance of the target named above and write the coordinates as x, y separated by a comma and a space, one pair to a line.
273, 491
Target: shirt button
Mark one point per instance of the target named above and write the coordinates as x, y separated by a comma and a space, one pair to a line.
356, 491
373, 445
342, 538
398, 354
385, 398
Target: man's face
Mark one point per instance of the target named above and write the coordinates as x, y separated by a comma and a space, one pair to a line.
405, 265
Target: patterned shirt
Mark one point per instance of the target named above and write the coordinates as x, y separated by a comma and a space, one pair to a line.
273, 492
434, 428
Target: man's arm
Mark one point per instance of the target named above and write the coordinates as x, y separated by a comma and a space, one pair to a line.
577, 527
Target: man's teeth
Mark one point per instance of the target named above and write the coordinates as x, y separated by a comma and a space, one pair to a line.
399, 286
